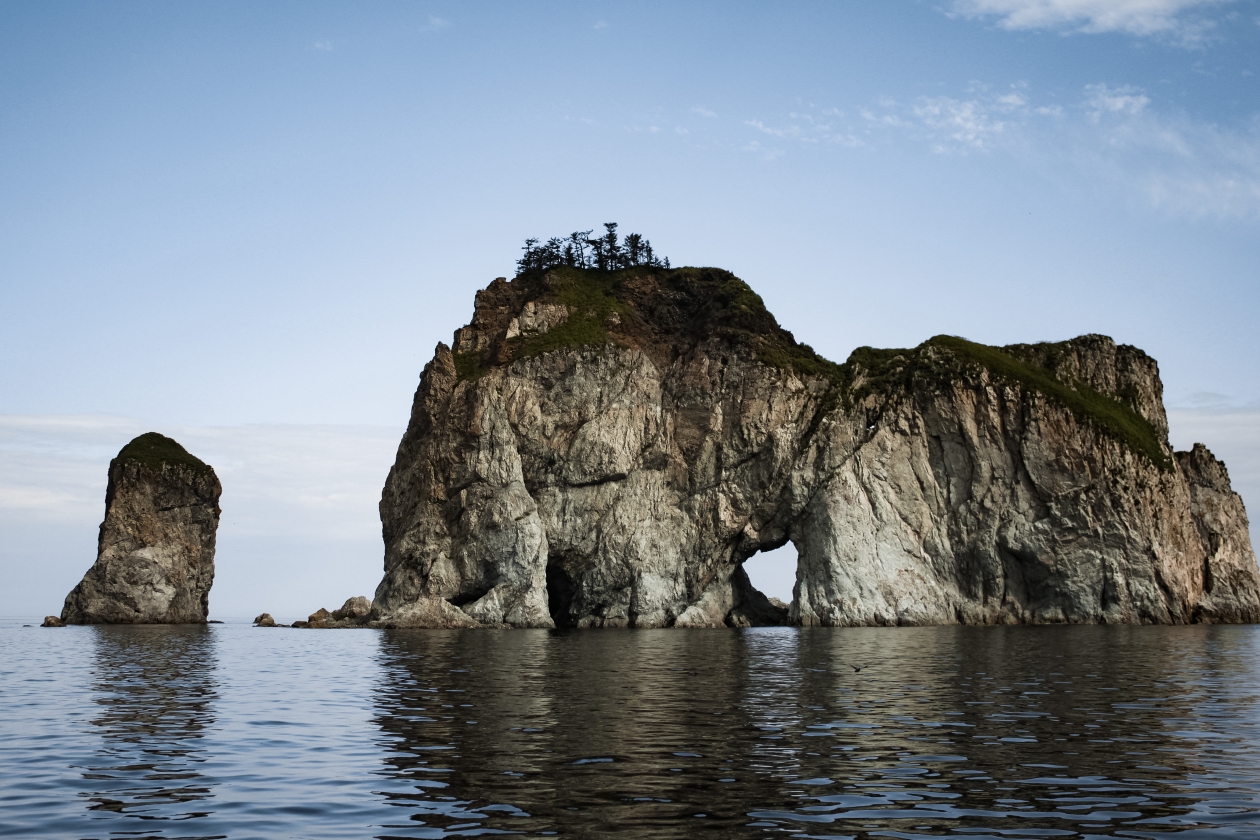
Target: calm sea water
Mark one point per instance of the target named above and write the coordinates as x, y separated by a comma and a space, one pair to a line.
231, 731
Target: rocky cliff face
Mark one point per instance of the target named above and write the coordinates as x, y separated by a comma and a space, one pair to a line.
606, 449
155, 556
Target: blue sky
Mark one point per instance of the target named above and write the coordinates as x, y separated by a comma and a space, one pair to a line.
248, 224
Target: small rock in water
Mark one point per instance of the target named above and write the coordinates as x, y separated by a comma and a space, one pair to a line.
52, 621
320, 618
265, 620
214, 621
300, 624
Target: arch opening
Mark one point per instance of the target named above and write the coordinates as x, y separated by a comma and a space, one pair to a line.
773, 572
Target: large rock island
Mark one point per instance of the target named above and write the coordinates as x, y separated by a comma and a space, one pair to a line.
155, 555
606, 448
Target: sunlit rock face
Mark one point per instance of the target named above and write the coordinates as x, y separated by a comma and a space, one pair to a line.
606, 449
155, 557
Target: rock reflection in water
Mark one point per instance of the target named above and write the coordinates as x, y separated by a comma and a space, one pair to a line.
1063, 732
155, 690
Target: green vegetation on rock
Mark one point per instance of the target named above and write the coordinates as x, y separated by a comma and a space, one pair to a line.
589, 296
468, 366
153, 450
647, 305
883, 371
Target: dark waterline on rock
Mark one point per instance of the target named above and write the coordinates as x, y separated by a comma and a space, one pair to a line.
230, 731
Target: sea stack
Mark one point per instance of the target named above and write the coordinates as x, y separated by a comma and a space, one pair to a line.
155, 555
606, 449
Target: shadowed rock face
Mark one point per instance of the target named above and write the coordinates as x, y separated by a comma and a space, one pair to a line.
155, 557
607, 449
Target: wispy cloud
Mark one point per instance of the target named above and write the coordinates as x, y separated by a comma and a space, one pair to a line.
435, 23
764, 152
601, 24
808, 126
704, 112
1181, 20
1112, 134
1101, 99
326, 46
969, 123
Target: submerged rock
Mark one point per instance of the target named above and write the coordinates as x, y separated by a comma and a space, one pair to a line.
607, 449
155, 555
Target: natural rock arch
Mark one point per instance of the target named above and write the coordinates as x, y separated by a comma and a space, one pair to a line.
608, 448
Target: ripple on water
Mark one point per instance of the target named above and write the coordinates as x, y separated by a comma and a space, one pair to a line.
228, 731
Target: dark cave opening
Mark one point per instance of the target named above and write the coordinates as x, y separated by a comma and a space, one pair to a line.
560, 591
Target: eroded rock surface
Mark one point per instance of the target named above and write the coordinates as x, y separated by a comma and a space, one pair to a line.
155, 555
607, 449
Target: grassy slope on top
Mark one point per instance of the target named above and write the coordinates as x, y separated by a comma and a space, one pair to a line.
590, 297
708, 302
153, 450
889, 369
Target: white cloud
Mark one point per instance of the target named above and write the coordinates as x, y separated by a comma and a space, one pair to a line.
326, 46
766, 153
968, 123
435, 23
804, 127
760, 126
1175, 18
1114, 136
702, 111
601, 24
1102, 99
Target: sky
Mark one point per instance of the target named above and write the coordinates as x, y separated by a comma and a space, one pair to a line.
247, 225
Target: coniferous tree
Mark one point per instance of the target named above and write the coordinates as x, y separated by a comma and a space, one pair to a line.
580, 240
581, 250
633, 249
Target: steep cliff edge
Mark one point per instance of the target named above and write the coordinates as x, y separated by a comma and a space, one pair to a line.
155, 555
607, 448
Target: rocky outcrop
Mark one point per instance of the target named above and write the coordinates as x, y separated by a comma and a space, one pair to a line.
607, 449
353, 613
52, 621
155, 555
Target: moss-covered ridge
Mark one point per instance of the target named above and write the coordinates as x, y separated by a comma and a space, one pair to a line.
944, 359
664, 311
653, 308
153, 450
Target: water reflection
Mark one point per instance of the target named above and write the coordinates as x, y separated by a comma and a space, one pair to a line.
155, 691
1064, 732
